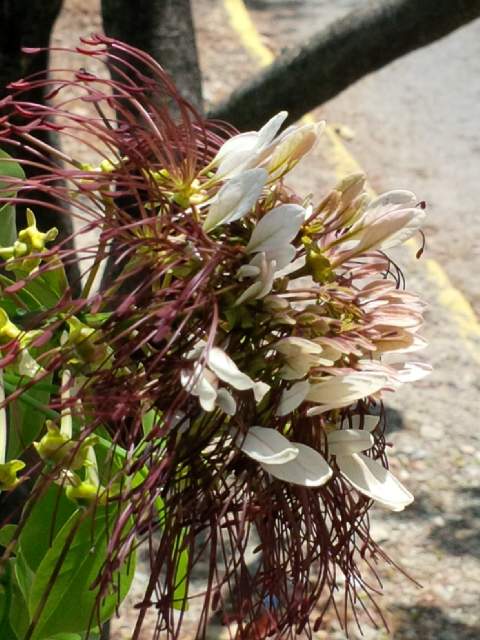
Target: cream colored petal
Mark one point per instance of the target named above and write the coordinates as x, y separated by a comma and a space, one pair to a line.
207, 393
294, 146
293, 397
339, 391
293, 266
344, 442
308, 469
269, 130
370, 423
283, 256
226, 402
260, 390
371, 479
226, 369
267, 446
235, 198
294, 345
247, 271
277, 228
412, 371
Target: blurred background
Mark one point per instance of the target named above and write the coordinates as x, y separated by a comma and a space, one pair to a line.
413, 124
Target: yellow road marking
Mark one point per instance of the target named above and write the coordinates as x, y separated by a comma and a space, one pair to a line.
451, 298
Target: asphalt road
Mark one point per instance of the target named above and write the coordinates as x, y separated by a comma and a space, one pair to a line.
415, 126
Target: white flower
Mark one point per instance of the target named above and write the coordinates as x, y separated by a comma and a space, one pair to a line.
300, 356
368, 476
270, 242
245, 149
202, 381
263, 148
288, 461
388, 221
236, 198
263, 270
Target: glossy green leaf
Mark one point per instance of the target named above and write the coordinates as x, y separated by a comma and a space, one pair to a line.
47, 517
66, 574
10, 168
26, 421
181, 573
26, 297
7, 533
18, 619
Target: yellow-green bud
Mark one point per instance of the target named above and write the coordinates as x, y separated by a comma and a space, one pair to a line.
8, 474
59, 449
8, 330
85, 493
85, 340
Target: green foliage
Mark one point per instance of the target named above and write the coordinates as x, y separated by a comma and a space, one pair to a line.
8, 229
61, 598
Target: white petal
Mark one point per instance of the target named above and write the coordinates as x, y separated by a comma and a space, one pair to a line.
308, 469
293, 397
392, 229
226, 402
264, 283
283, 256
237, 144
294, 345
247, 271
271, 128
344, 442
226, 369
294, 146
260, 390
339, 391
235, 198
267, 446
251, 293
235, 154
412, 371
277, 228
370, 423
292, 267
373, 480
398, 197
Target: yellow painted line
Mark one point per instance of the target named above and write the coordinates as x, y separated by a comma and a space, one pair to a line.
459, 308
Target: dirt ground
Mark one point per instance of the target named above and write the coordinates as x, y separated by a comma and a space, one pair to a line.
436, 442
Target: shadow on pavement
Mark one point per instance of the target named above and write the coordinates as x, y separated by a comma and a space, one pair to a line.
461, 535
431, 623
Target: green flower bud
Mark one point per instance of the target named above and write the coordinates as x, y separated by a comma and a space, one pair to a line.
58, 448
30, 240
8, 474
8, 330
85, 339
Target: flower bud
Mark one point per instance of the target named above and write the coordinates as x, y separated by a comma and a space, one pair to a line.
8, 474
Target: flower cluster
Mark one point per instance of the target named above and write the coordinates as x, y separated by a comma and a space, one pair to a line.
228, 371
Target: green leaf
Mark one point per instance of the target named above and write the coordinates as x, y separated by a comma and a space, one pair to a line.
26, 421
18, 620
65, 636
10, 168
181, 573
78, 553
7, 533
47, 517
8, 227
25, 296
